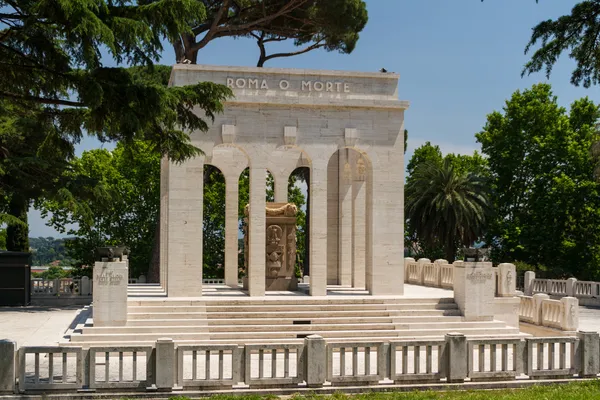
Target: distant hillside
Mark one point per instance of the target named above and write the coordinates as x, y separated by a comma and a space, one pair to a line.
47, 251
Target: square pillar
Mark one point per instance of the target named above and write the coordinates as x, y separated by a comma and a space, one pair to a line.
257, 236
318, 229
280, 189
332, 220
231, 230
345, 245
385, 223
359, 191
164, 224
185, 228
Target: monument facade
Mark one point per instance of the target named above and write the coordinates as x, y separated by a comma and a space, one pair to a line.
346, 127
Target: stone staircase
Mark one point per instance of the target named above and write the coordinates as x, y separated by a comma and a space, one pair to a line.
286, 319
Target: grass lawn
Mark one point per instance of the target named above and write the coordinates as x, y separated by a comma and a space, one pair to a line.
572, 391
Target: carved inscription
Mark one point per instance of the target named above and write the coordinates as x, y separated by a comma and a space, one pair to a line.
109, 279
477, 277
284, 84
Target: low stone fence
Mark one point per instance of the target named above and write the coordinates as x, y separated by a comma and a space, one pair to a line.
167, 366
438, 273
587, 292
540, 310
64, 291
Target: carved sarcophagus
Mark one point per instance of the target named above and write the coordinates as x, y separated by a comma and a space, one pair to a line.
280, 246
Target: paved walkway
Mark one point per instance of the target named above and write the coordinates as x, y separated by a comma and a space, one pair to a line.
36, 325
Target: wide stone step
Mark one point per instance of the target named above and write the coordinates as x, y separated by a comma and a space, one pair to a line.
305, 328
298, 307
283, 301
168, 322
276, 337
291, 321
449, 325
267, 337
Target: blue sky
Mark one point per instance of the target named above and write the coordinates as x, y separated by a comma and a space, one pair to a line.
458, 61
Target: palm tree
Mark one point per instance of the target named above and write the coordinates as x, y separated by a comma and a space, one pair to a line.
446, 207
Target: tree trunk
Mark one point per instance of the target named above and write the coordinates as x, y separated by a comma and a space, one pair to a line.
183, 50
154, 268
17, 236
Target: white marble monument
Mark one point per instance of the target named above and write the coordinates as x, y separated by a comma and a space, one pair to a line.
346, 127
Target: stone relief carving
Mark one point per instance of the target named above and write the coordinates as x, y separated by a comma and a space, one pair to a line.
509, 278
291, 248
280, 245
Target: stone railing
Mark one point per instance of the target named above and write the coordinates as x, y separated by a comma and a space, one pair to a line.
540, 310
587, 292
61, 287
438, 273
313, 363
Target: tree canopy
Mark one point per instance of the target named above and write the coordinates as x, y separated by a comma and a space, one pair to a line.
546, 199
55, 88
436, 185
309, 24
577, 33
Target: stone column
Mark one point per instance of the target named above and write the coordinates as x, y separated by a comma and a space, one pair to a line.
318, 228
110, 293
256, 229
281, 188
164, 223
385, 227
345, 245
186, 200
474, 290
359, 192
332, 220
231, 230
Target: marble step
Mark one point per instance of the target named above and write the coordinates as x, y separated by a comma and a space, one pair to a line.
238, 329
217, 337
293, 314
271, 337
298, 307
284, 321
291, 328
282, 301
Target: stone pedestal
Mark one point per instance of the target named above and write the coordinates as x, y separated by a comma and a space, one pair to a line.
110, 293
474, 290
280, 249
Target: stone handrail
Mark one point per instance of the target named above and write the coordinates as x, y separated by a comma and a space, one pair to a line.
588, 292
587, 289
166, 365
446, 276
540, 310
424, 272
527, 311
61, 287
